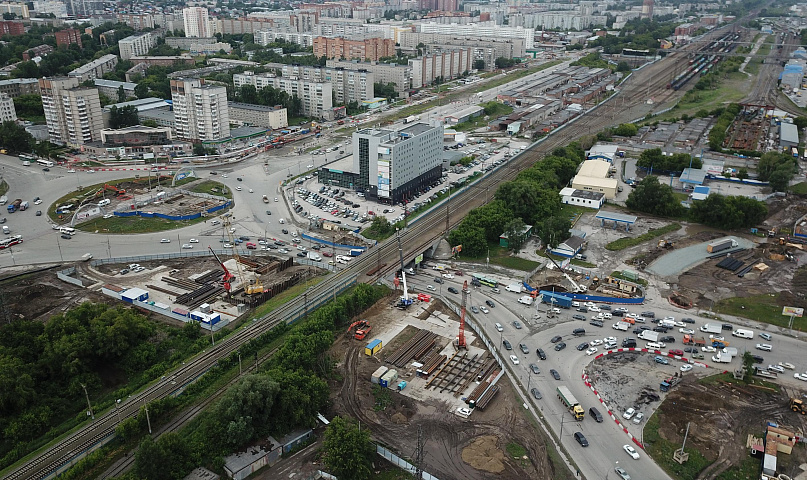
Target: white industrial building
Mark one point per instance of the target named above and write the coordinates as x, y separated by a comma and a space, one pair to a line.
582, 198
593, 176
482, 29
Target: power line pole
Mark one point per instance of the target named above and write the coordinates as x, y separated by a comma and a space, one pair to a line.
88, 401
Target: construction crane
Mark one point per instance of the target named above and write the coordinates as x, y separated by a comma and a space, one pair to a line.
461, 338
404, 301
228, 277
253, 286
577, 288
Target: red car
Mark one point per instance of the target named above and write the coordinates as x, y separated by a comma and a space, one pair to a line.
327, 254
675, 351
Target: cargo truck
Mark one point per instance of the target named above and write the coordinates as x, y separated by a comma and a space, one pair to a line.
711, 328
620, 326
648, 335
693, 340
669, 383
23, 206
355, 252
721, 357
730, 351
556, 300
720, 245
571, 403
14, 205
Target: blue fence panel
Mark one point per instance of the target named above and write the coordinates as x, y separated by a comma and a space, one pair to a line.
326, 242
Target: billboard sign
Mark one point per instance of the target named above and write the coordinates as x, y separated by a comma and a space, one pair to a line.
793, 312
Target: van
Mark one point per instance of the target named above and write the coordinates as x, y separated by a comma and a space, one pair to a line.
6, 230
104, 202
578, 332
67, 231
513, 287
595, 414
742, 333
654, 346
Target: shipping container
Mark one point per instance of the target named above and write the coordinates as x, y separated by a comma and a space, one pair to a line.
720, 245
373, 347
401, 385
376, 376
388, 378
180, 311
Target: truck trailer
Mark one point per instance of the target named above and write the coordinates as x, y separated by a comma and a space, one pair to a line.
571, 403
720, 245
711, 328
556, 300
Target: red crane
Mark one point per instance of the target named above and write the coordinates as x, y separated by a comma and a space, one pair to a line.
228, 277
461, 337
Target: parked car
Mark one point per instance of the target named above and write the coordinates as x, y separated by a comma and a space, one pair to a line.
629, 413
541, 354
507, 345
555, 374
535, 368
581, 439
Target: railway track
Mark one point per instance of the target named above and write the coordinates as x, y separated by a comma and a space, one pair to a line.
627, 105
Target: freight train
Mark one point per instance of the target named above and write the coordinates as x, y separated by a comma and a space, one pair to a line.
706, 59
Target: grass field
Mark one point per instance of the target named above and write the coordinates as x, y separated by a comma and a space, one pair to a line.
662, 452
800, 188
754, 63
207, 186
626, 242
765, 308
134, 224
732, 89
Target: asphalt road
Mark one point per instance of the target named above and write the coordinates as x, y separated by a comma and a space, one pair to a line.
605, 439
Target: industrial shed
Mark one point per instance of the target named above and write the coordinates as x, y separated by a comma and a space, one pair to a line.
593, 176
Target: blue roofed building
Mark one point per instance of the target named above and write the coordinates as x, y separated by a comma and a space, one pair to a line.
792, 75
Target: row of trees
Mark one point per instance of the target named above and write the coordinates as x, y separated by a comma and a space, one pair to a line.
777, 169
270, 96
655, 160
637, 34
286, 394
717, 135
530, 199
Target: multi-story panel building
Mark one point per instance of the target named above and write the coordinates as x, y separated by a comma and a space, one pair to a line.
371, 48
482, 29
51, 7
111, 88
258, 115
445, 65
72, 113
487, 49
316, 97
138, 21
200, 111
197, 22
238, 26
390, 166
349, 85
563, 21
136, 45
67, 37
18, 9
185, 42
265, 37
400, 75
15, 87
7, 111
95, 69
12, 28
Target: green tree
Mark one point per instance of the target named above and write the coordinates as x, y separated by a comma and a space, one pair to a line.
515, 234
386, 90
121, 94
166, 459
479, 64
623, 67
471, 237
141, 90
14, 138
29, 107
654, 198
554, 230
779, 180
123, 117
800, 122
199, 150
742, 174
748, 366
528, 201
625, 130
246, 408
504, 62
348, 453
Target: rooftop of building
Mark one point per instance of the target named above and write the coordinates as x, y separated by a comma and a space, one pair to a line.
594, 168
100, 82
250, 106
135, 128
417, 128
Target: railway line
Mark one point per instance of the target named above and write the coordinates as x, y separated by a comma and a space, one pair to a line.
627, 105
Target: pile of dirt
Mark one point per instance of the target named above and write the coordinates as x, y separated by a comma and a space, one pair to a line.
483, 454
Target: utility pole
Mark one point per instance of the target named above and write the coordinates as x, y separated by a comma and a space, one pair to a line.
240, 372
148, 420
88, 401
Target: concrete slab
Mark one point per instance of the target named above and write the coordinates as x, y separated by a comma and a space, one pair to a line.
681, 260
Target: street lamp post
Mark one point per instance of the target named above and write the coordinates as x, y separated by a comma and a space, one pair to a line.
89, 406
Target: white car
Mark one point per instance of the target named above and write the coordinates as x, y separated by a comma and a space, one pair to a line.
591, 351
595, 342
787, 365
430, 288
484, 309
37, 202
514, 359
194, 240
283, 250
680, 324
165, 240
717, 337
71, 171
631, 315
631, 451
301, 248
609, 339
250, 191
629, 413
228, 245
309, 166
671, 319
232, 230
687, 331
239, 188
638, 418
223, 175
91, 171
708, 349
776, 368
686, 367
594, 309
187, 246
108, 215
764, 347
800, 376
448, 276
275, 198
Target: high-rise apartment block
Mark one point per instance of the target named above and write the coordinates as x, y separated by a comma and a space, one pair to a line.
12, 28
445, 65
18, 9
67, 37
371, 48
72, 113
200, 111
138, 21
316, 97
136, 45
197, 22
390, 166
349, 85
400, 75
7, 111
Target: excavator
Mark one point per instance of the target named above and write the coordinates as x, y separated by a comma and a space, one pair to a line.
362, 329
797, 405
118, 191
227, 277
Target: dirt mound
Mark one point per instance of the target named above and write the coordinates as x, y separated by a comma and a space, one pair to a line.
483, 454
398, 418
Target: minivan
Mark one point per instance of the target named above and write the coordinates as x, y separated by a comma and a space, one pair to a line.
577, 332
595, 414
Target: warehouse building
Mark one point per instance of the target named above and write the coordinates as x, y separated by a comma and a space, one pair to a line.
594, 176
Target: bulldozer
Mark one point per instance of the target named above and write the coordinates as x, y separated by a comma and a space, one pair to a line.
797, 405
665, 244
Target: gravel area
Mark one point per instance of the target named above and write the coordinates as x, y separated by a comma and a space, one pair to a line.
679, 260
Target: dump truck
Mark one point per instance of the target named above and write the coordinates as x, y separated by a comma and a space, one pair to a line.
797, 405
711, 328
720, 245
571, 403
693, 340
13, 206
669, 383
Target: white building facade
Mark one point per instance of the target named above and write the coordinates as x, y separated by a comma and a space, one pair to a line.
200, 111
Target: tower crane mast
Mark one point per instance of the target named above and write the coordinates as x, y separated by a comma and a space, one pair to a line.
461, 337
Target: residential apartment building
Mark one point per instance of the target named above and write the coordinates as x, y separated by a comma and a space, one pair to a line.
136, 45
7, 111
210, 48
368, 49
400, 75
111, 88
18, 9
72, 113
15, 87
349, 85
258, 115
238, 26
316, 97
40, 51
389, 166
67, 37
481, 29
138, 21
12, 28
165, 61
200, 111
447, 64
185, 42
50, 7
487, 49
563, 21
95, 69
265, 37
197, 22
